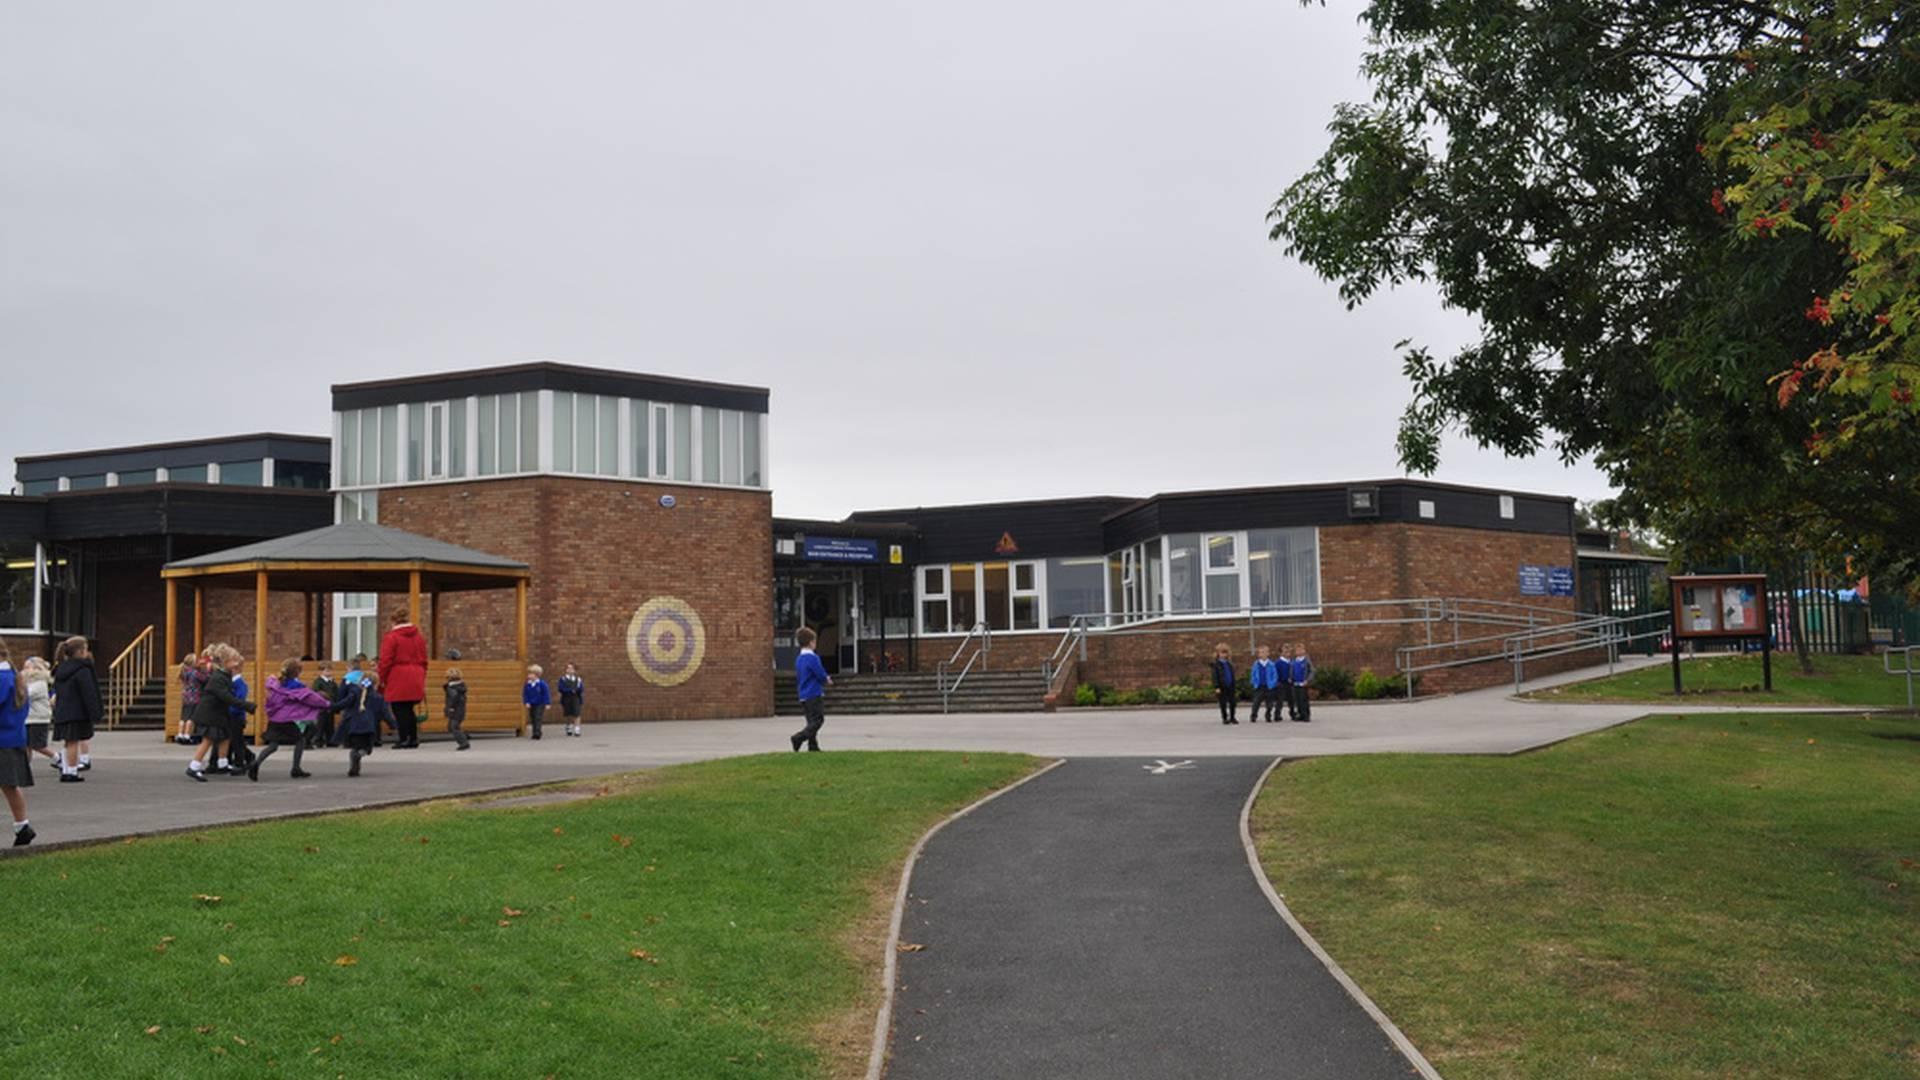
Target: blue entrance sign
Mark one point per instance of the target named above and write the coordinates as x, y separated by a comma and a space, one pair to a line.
1533, 580
840, 549
1559, 581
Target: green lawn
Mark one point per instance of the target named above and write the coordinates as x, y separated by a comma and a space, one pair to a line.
1736, 680
1703, 896
721, 919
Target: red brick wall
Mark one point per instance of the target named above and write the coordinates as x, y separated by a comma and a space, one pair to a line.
599, 549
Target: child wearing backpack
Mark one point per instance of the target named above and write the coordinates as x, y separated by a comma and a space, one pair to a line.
362, 710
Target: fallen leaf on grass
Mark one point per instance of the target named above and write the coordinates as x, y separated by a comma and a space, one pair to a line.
345, 960
224, 960
154, 1030
1810, 742
1908, 863
240, 1040
205, 898
336, 1039
310, 849
511, 912
558, 831
559, 866
907, 946
219, 1049
642, 954
623, 841
204, 1029
297, 980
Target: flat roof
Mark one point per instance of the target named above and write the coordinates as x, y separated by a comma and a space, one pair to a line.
548, 375
178, 444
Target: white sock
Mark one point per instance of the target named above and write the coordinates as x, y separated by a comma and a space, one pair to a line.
196, 765
20, 826
222, 764
86, 759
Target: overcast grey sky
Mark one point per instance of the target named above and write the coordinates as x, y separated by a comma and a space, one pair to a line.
979, 251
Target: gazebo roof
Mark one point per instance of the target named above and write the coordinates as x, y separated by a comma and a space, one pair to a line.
353, 556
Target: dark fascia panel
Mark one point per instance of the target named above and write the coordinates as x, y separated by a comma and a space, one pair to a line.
866, 530
186, 509
317, 449
1326, 505
546, 375
1044, 529
23, 517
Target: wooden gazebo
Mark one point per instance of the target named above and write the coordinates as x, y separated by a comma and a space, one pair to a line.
358, 557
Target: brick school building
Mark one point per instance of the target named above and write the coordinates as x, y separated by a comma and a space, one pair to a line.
643, 506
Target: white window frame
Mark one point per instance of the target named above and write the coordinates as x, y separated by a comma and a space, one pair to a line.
922, 596
660, 431
1038, 592
436, 440
1238, 571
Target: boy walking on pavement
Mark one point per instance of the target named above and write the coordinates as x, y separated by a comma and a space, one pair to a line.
1266, 686
811, 680
1223, 684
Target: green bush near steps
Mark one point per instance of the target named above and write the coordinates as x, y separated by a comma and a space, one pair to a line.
1329, 683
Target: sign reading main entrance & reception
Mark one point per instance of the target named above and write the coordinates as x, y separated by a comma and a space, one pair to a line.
840, 549
666, 641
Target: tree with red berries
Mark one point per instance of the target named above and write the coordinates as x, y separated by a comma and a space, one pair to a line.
1690, 230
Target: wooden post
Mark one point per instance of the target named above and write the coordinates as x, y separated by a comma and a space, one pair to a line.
520, 616
433, 612
167, 727
257, 719
199, 617
306, 624
413, 597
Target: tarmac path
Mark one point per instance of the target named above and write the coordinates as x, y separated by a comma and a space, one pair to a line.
1102, 922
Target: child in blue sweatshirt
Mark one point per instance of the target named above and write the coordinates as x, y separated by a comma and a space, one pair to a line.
810, 678
362, 710
1223, 684
536, 697
1266, 686
1300, 674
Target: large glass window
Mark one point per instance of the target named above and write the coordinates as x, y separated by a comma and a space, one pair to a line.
1026, 596
638, 412
562, 431
995, 582
1075, 587
307, 475
933, 600
1283, 568
242, 473
457, 438
966, 606
187, 474
609, 463
489, 436
1183, 572
510, 424
683, 442
389, 443
41, 487
369, 446
729, 446
710, 445
1156, 578
662, 420
750, 449
87, 481
529, 430
1223, 572
416, 440
584, 437
137, 477
17, 562
350, 448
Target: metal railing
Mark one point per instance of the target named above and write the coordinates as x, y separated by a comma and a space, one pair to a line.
1906, 668
985, 634
1064, 659
127, 676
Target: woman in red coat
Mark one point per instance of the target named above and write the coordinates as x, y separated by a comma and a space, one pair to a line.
403, 676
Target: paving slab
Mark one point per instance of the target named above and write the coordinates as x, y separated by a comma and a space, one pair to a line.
1101, 921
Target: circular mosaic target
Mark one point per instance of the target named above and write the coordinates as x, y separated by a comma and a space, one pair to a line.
666, 641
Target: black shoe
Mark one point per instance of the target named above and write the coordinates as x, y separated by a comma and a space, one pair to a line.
23, 837
796, 741
299, 774
536, 736
464, 746
86, 766
253, 772
71, 778
198, 774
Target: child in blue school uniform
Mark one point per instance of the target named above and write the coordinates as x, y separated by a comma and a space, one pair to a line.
1300, 674
536, 697
1265, 677
573, 694
1223, 684
362, 710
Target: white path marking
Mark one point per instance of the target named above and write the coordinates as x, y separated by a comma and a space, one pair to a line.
1161, 766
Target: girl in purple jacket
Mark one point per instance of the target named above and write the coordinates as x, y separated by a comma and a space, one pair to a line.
292, 707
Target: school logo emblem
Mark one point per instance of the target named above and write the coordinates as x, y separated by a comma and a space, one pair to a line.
1006, 546
666, 641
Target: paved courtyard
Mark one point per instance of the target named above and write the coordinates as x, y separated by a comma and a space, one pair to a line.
137, 785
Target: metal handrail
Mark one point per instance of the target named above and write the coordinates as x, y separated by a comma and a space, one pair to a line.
1907, 669
127, 676
985, 634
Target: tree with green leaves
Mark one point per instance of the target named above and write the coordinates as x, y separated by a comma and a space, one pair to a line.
1690, 231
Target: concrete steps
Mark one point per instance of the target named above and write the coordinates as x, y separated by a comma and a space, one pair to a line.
148, 710
919, 692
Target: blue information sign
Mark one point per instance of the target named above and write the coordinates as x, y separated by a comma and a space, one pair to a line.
1559, 581
1533, 580
840, 549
